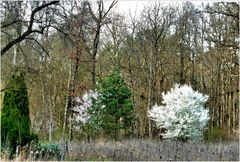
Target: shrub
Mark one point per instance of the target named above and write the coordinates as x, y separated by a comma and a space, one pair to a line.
216, 135
81, 107
49, 151
183, 116
81, 115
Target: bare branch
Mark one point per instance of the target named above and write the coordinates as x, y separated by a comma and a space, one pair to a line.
91, 12
39, 45
13, 22
235, 46
110, 7
29, 30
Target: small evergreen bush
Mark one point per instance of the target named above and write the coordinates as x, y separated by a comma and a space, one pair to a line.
49, 151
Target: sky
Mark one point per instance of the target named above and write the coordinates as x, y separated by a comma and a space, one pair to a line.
134, 6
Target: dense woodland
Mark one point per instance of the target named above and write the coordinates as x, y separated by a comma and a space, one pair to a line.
65, 48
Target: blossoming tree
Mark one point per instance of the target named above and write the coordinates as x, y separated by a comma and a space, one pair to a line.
81, 109
183, 115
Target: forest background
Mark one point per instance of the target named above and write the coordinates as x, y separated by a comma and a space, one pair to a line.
68, 46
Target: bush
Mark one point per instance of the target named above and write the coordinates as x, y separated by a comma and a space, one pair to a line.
216, 135
183, 117
37, 151
49, 151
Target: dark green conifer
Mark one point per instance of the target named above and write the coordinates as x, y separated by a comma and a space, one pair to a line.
113, 110
15, 120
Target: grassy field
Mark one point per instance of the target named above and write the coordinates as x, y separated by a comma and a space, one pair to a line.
133, 150
128, 150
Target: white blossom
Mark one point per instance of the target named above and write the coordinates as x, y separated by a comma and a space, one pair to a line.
82, 105
183, 114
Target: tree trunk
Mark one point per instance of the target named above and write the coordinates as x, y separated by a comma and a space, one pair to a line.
233, 111
229, 113
150, 87
14, 55
51, 121
94, 54
67, 103
138, 94
181, 69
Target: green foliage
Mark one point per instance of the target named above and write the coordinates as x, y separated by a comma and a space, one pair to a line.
113, 110
216, 134
15, 121
49, 151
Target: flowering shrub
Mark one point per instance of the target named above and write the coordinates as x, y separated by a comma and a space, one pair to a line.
82, 106
183, 116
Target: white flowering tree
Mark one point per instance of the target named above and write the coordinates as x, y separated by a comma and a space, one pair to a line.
81, 114
183, 115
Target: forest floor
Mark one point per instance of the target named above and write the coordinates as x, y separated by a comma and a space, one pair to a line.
135, 150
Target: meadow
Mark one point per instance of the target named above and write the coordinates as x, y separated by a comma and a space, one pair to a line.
145, 150
139, 150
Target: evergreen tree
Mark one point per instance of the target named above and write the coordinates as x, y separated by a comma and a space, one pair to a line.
113, 109
15, 121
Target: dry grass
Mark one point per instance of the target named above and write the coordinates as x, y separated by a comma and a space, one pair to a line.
128, 150
143, 150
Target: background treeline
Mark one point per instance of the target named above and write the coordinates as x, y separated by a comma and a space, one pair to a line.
70, 46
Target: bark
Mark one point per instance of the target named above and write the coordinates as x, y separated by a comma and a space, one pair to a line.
73, 90
138, 91
67, 103
150, 88
14, 56
181, 69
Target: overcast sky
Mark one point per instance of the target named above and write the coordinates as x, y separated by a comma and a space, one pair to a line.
134, 6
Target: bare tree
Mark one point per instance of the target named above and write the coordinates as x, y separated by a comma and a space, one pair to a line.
158, 20
100, 18
30, 28
229, 10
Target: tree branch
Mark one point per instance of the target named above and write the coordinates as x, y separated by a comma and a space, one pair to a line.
91, 12
222, 43
29, 30
39, 45
110, 7
13, 22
